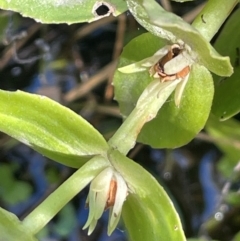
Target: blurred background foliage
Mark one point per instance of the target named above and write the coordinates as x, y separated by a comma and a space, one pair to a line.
74, 65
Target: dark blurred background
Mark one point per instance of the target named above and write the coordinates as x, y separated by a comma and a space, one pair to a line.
74, 65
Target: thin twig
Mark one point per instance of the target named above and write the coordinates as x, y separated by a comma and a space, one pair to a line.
84, 88
116, 53
10, 52
226, 141
89, 28
108, 110
166, 5
135, 151
190, 16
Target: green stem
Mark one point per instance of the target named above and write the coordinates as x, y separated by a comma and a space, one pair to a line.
149, 103
212, 16
147, 107
45, 211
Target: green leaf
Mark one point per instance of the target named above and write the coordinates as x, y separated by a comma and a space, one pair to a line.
66, 221
226, 101
3, 26
233, 198
11, 228
12, 191
182, 123
200, 239
226, 165
236, 237
63, 11
148, 213
171, 27
50, 128
226, 135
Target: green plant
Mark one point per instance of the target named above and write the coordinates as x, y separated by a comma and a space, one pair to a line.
116, 181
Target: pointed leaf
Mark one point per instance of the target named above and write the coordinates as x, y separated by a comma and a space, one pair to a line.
226, 101
171, 27
49, 128
11, 228
64, 11
148, 213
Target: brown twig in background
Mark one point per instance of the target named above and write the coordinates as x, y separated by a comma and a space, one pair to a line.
89, 28
135, 151
190, 16
83, 88
108, 110
10, 52
226, 141
116, 53
166, 5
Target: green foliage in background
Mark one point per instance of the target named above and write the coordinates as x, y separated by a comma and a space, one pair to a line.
226, 101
